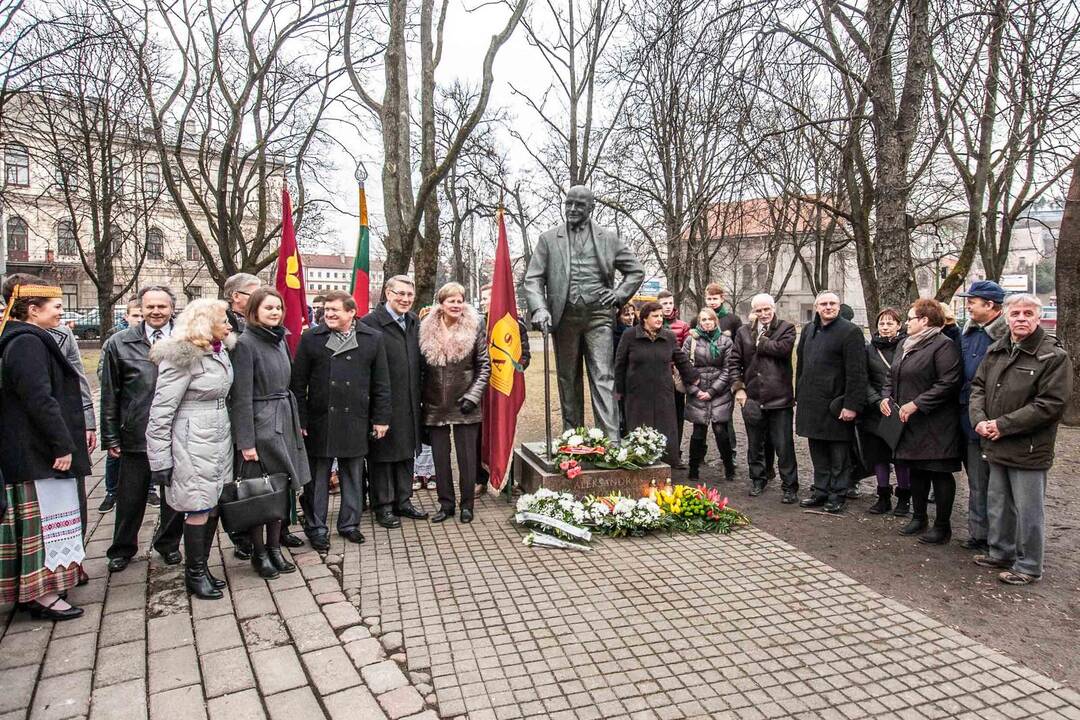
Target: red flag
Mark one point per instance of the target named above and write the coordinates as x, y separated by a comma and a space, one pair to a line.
506, 389
289, 279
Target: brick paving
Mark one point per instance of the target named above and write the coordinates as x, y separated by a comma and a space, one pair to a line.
456, 621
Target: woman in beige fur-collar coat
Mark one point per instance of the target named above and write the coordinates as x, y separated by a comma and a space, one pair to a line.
455, 369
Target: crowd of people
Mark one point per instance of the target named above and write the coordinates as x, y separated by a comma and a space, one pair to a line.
918, 401
190, 402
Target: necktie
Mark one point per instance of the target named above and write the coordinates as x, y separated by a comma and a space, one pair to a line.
157, 335
401, 321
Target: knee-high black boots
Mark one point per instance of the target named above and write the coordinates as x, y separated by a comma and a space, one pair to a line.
196, 544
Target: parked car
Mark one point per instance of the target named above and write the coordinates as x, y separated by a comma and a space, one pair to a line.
88, 324
1049, 318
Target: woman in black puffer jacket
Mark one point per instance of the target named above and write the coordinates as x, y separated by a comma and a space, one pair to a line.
880, 353
709, 401
454, 372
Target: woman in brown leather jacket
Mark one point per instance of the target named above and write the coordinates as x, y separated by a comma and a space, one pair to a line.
454, 375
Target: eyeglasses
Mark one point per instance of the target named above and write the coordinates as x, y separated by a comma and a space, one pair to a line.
402, 293
914, 317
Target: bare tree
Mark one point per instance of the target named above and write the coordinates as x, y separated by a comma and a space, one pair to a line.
405, 210
1068, 286
240, 113
82, 107
1005, 99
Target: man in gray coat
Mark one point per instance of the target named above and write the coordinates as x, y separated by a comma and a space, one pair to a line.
570, 289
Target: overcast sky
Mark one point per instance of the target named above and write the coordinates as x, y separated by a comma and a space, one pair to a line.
466, 39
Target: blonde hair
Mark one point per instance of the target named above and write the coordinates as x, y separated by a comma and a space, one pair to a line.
449, 290
196, 322
707, 313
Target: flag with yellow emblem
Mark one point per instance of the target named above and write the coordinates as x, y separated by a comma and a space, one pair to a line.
506, 389
289, 279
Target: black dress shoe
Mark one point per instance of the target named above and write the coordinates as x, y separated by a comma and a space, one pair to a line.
411, 512
118, 564
789, 498
320, 544
288, 539
466, 516
914, 526
835, 508
48, 612
441, 516
278, 560
812, 502
242, 551
354, 536
387, 520
974, 544
173, 557
936, 536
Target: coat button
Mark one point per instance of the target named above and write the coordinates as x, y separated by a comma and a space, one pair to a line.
348, 357
333, 382
331, 408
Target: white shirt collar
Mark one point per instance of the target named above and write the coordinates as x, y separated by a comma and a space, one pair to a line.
166, 331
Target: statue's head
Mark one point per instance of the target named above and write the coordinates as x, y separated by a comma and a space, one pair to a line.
579, 205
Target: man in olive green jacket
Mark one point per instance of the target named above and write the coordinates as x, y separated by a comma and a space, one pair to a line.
1017, 399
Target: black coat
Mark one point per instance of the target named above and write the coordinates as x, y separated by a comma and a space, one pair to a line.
127, 388
763, 369
41, 407
341, 396
262, 409
830, 375
930, 375
879, 358
643, 378
402, 442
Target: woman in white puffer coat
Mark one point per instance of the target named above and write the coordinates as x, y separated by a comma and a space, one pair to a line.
188, 438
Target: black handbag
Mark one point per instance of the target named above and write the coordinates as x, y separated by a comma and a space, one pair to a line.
252, 501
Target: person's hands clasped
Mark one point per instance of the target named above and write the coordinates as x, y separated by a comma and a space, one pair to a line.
907, 410
114, 452
848, 415
703, 396
62, 463
740, 397
380, 431
467, 406
988, 429
250, 454
886, 407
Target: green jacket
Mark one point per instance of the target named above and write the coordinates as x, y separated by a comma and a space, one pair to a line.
1024, 387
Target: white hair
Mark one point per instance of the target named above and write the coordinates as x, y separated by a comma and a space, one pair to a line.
1022, 299
823, 293
762, 298
236, 283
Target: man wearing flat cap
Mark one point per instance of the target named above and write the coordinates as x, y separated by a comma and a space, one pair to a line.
985, 325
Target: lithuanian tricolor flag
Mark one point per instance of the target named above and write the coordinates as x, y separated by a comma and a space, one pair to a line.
361, 278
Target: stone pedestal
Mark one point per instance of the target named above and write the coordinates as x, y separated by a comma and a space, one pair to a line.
533, 471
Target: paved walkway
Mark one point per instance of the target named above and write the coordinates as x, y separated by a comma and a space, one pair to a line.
451, 620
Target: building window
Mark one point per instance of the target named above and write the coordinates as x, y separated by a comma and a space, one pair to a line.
155, 244
193, 292
192, 248
748, 274
17, 165
115, 242
152, 180
71, 295
18, 239
66, 243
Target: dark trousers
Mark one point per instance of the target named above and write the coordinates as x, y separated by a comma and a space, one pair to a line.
482, 475
773, 434
391, 485
944, 485
112, 474
830, 459
132, 488
700, 436
316, 497
680, 415
465, 443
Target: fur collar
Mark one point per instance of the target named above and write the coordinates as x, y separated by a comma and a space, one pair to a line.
442, 345
996, 329
183, 353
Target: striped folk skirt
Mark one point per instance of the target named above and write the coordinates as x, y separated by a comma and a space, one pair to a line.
23, 576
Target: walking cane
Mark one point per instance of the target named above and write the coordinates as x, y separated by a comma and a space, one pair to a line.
547, 402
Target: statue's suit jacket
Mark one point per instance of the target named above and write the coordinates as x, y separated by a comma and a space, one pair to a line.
547, 279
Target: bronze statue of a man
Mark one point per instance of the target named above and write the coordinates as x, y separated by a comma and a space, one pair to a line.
570, 288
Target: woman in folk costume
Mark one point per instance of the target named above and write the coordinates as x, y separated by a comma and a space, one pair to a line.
43, 450
189, 438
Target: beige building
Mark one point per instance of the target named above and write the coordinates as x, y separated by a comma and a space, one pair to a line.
323, 273
41, 193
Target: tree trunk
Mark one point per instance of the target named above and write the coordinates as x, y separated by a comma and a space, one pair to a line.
1068, 287
397, 165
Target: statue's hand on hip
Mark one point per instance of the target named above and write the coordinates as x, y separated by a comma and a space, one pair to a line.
541, 320
607, 298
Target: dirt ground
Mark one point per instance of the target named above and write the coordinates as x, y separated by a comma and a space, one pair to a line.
1038, 625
